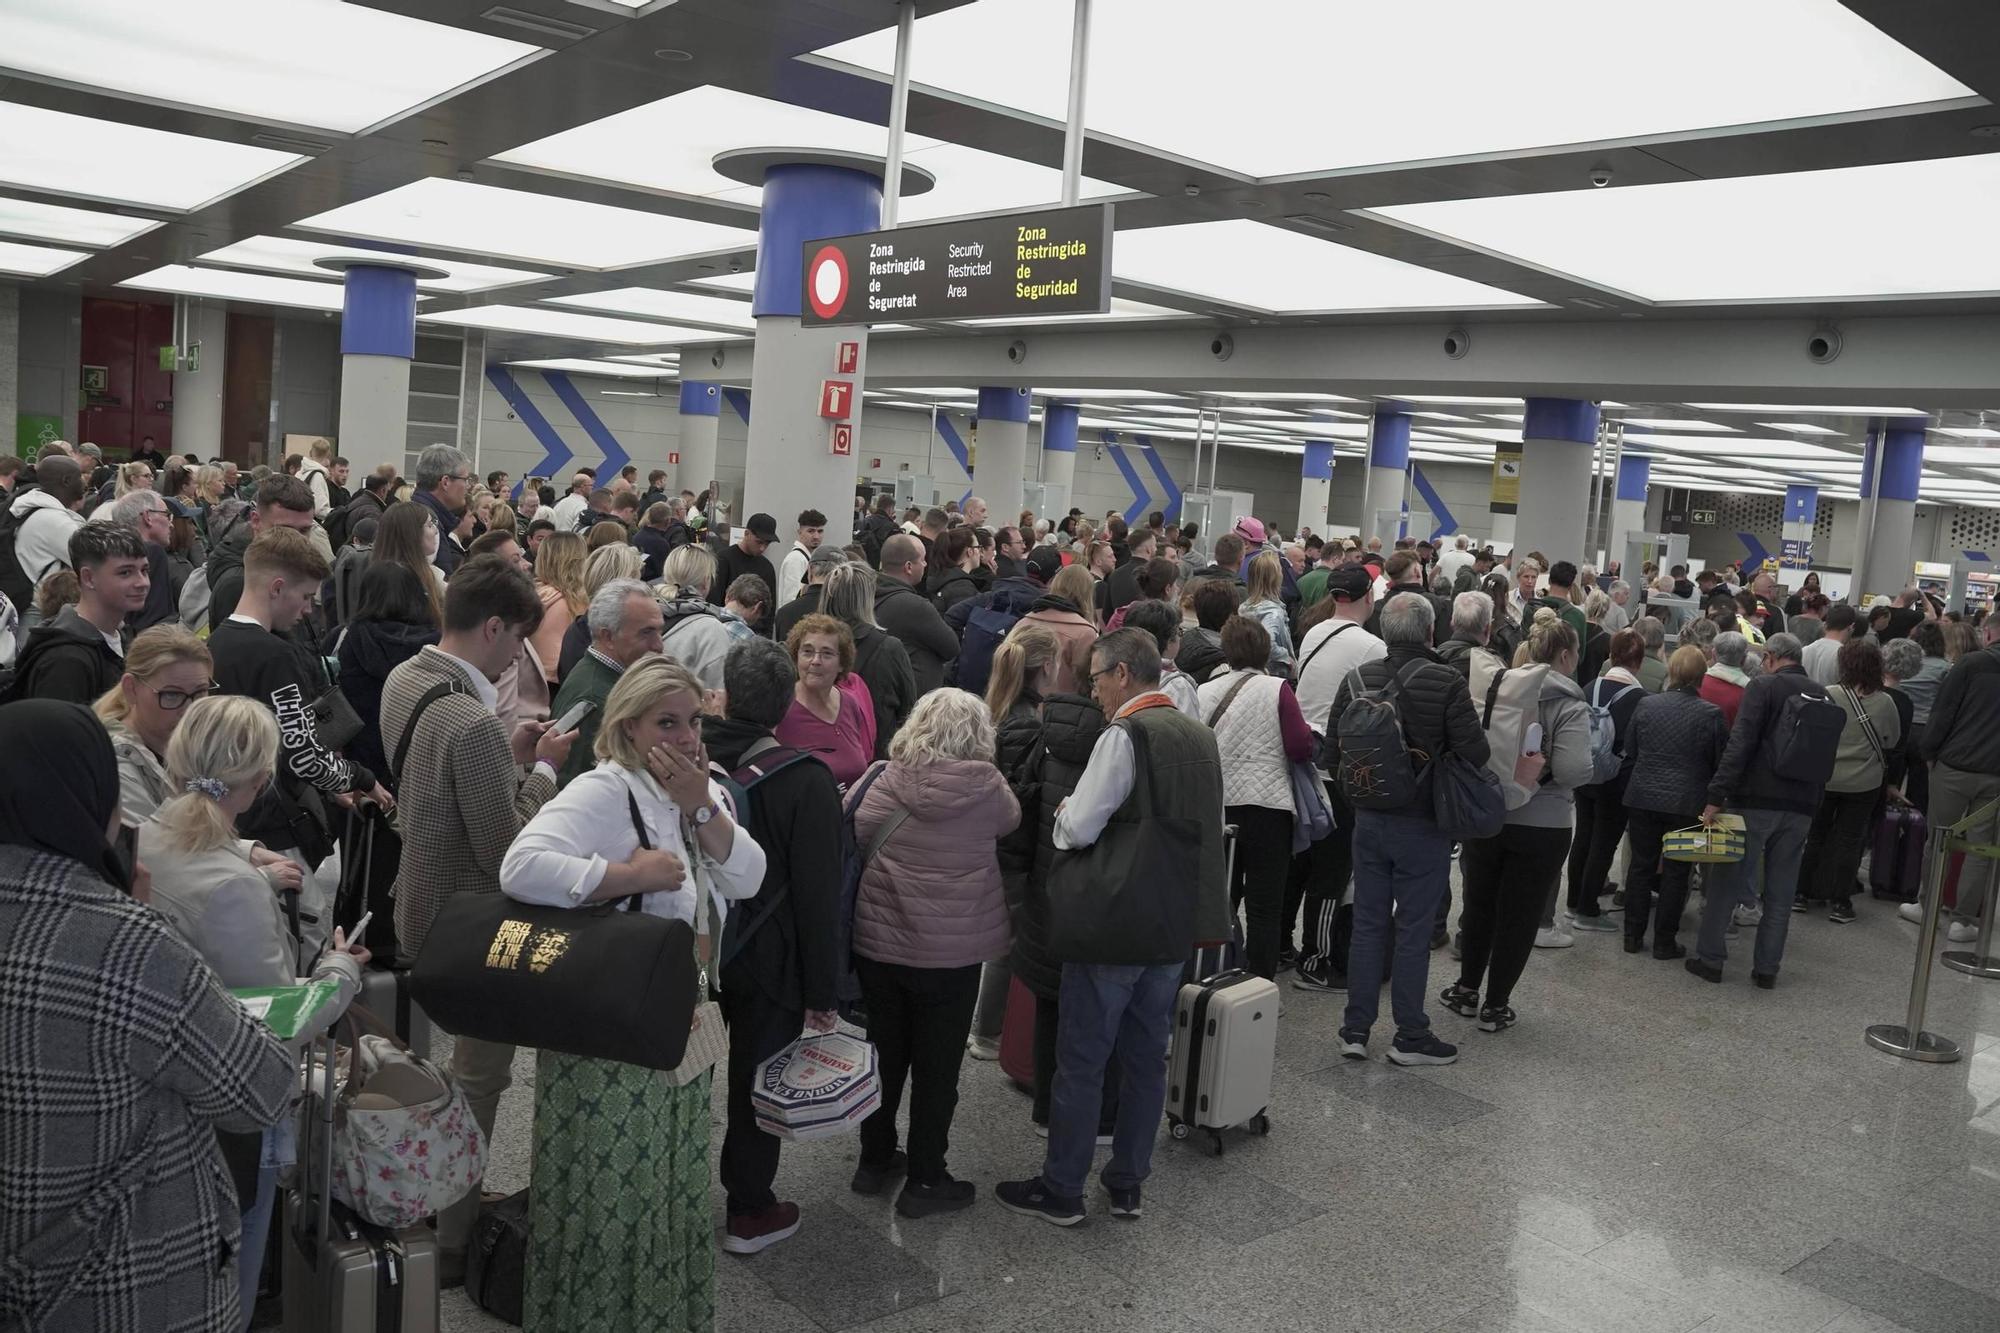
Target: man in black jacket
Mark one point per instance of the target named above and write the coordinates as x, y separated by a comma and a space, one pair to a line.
1121, 585
1406, 574
1962, 744
1402, 859
1015, 594
908, 615
824, 561
656, 539
1777, 814
779, 965
878, 527
280, 502
81, 653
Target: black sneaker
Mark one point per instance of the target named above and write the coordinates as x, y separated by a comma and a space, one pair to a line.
1496, 1018
874, 1179
1353, 1045
1764, 980
1288, 958
1461, 1000
1801, 905
1033, 1199
1633, 945
1424, 1048
1706, 971
1669, 951
1842, 912
1124, 1203
922, 1198
1326, 977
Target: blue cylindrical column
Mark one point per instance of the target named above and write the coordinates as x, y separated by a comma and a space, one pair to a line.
701, 419
1315, 486
1556, 439
1000, 469
1795, 552
1889, 514
1628, 509
1382, 507
789, 465
378, 339
1058, 458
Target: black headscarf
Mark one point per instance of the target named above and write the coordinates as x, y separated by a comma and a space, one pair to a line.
59, 784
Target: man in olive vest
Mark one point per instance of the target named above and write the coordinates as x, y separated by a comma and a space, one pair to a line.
1116, 1011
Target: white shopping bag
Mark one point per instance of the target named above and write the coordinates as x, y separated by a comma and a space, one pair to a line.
821, 1085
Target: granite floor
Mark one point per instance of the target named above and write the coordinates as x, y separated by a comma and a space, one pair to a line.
1644, 1153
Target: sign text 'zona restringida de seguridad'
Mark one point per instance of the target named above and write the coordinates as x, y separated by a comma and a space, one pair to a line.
1049, 262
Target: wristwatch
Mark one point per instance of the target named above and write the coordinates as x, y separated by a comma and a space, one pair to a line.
706, 813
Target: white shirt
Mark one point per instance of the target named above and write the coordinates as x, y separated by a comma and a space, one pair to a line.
488, 692
568, 510
1347, 646
1452, 561
560, 858
792, 573
1106, 782
1822, 661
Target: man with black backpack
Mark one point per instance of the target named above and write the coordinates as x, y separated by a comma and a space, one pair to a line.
36, 528
1402, 859
1780, 755
778, 959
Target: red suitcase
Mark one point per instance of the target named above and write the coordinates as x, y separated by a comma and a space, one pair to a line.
1017, 1036
1896, 867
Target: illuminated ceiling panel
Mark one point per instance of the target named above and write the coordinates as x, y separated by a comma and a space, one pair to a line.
580, 366
97, 159
231, 285
73, 226
485, 219
1749, 238
284, 255
298, 62
1248, 263
569, 324
655, 303
36, 261
1267, 63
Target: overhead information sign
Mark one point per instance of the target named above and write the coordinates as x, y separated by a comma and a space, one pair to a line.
1050, 262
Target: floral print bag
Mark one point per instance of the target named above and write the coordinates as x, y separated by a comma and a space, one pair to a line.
405, 1144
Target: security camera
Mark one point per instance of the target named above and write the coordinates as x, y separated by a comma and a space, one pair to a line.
1823, 346
1600, 176
1457, 343
1017, 351
1222, 347
1191, 190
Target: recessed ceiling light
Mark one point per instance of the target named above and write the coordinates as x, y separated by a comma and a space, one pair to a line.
36, 261
100, 159
1671, 423
584, 366
341, 67
288, 255
1315, 196
1793, 409
1801, 427
655, 303
673, 55
568, 324
231, 285
1967, 432
52, 222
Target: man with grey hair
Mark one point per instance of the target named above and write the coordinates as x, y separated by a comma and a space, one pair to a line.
1777, 809
1618, 615
1458, 557
1471, 629
625, 623
145, 512
1117, 1011
1727, 675
444, 484
781, 968
1402, 859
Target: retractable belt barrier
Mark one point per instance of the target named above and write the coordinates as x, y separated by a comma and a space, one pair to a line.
1908, 1038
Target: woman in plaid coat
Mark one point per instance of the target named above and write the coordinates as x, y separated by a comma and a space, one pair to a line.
120, 1056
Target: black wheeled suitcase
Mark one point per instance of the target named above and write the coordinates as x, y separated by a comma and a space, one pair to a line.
343, 1274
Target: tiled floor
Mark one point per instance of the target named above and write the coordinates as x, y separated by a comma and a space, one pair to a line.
1644, 1153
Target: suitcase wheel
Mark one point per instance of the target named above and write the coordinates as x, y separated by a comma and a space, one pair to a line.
1260, 1123
1215, 1143
1180, 1129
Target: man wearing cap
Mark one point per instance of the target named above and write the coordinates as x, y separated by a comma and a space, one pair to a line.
746, 557
1252, 532
1015, 594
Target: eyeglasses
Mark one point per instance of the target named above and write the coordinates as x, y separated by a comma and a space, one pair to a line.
1105, 672
175, 700
456, 476
809, 654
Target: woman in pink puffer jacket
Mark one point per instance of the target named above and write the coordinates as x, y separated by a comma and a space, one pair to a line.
929, 912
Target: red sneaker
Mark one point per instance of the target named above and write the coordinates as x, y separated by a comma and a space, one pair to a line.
748, 1233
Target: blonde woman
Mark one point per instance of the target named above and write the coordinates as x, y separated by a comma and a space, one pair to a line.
620, 1217
694, 632
218, 900
930, 911
1069, 611
600, 567
166, 669
1263, 604
559, 583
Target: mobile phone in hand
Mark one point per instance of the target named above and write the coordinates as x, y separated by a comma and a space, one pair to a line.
127, 846
573, 719
1533, 742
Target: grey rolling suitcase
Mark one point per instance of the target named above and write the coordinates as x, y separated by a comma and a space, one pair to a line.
385, 993
1225, 1047
343, 1274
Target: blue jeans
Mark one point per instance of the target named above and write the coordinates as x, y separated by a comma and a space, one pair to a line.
279, 1152
1401, 865
1773, 842
1108, 1012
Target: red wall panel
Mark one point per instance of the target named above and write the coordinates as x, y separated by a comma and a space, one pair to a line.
136, 398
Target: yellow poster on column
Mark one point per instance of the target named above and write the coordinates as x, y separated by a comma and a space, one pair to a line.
1506, 478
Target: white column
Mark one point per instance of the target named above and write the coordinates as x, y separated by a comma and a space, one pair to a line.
1001, 468
198, 393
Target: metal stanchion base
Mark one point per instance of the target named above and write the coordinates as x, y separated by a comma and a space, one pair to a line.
1929, 1047
1970, 963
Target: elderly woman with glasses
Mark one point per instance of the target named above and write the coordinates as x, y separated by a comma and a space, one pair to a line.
832, 713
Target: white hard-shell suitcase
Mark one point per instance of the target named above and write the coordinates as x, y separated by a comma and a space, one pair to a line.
1225, 1046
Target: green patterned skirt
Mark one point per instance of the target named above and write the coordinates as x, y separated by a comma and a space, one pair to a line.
620, 1221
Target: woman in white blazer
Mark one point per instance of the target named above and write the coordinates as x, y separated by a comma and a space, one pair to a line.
620, 1216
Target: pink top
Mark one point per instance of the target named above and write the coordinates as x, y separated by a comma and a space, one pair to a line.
847, 743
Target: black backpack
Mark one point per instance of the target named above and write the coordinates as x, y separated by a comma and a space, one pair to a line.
16, 582
1806, 740
1375, 770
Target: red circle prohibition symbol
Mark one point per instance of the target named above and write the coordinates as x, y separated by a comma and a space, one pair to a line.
826, 281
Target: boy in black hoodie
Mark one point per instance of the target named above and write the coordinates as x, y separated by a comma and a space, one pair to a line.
81, 653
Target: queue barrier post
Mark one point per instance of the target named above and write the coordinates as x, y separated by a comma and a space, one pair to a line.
1907, 1039
1979, 960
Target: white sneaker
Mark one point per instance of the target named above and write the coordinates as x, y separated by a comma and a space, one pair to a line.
1962, 932
982, 1048
1744, 915
1553, 937
1911, 912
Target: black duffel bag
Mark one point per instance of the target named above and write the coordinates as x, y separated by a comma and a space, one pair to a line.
593, 981
496, 1262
